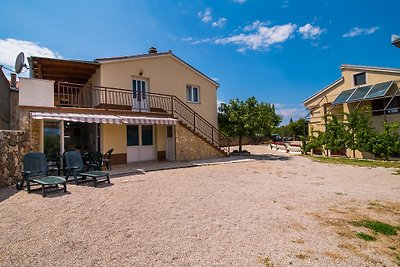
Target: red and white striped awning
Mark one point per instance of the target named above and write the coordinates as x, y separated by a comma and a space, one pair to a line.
102, 118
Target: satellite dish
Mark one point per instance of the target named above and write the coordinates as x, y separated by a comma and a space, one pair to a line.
396, 40
20, 63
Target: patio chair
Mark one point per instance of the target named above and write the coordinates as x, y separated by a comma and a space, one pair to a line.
107, 158
95, 160
75, 166
35, 173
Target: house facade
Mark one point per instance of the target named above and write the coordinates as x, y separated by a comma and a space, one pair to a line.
145, 107
359, 87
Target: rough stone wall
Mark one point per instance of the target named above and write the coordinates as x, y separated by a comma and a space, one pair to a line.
190, 147
35, 138
13, 146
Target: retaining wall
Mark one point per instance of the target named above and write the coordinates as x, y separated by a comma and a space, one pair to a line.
13, 146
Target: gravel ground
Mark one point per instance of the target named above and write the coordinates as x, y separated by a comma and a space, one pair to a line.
276, 210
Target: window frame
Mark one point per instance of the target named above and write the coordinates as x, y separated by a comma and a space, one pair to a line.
189, 96
358, 74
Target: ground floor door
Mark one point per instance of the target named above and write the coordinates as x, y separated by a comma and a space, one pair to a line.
170, 143
140, 142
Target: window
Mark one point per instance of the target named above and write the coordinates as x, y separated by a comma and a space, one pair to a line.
169, 131
360, 78
147, 135
192, 93
378, 106
132, 135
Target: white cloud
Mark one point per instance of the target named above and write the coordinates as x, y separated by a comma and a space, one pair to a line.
356, 31
255, 25
285, 4
187, 39
10, 48
291, 113
262, 38
205, 15
310, 32
215, 79
239, 1
220, 22
201, 41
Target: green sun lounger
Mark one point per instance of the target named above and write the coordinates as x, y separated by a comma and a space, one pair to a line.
35, 173
76, 168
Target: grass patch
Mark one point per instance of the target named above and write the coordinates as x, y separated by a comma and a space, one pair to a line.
266, 261
365, 236
377, 226
358, 162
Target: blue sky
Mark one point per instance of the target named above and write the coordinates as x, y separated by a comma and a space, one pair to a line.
280, 51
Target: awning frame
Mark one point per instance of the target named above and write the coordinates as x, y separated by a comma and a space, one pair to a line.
103, 118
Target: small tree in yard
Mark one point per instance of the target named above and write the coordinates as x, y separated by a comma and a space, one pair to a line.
247, 118
359, 127
336, 136
387, 143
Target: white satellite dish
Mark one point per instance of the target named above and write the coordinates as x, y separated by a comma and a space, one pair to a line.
20, 63
396, 40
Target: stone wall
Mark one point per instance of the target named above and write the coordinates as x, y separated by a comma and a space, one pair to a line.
13, 146
191, 147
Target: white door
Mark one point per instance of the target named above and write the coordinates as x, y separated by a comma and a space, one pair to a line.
140, 96
140, 142
170, 144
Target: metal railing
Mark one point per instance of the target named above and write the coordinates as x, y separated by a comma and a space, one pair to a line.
86, 96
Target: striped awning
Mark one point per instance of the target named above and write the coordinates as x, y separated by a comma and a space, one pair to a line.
148, 120
103, 118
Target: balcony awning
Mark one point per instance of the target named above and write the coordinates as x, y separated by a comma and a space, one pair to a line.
103, 118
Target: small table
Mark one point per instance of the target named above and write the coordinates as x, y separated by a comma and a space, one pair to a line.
50, 181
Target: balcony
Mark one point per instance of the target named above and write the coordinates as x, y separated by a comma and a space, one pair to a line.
85, 96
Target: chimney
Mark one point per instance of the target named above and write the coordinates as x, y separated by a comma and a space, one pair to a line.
152, 50
13, 82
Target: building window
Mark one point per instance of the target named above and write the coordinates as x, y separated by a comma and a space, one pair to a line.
147, 135
192, 93
378, 106
132, 135
360, 79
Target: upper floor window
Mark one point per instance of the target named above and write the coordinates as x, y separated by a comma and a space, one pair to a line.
192, 93
360, 79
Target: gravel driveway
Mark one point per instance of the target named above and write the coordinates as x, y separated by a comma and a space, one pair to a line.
271, 211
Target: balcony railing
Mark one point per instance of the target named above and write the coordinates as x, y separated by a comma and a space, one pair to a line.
85, 96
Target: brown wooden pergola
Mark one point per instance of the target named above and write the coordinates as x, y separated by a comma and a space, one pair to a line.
72, 71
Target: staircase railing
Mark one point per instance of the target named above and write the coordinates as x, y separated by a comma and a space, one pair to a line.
87, 96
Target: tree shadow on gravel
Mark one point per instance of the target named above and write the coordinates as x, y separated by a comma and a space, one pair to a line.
6, 192
263, 157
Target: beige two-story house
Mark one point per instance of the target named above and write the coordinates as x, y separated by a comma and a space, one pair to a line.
359, 86
145, 107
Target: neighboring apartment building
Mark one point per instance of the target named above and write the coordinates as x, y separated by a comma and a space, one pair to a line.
359, 86
153, 106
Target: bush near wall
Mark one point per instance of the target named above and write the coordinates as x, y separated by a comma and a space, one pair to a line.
13, 146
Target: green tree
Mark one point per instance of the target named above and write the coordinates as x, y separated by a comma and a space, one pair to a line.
360, 129
386, 143
295, 129
247, 118
336, 136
